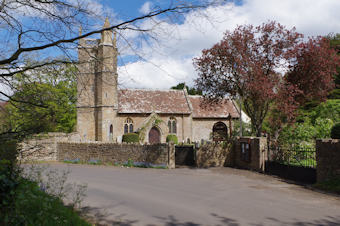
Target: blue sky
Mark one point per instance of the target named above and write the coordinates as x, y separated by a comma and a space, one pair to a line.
127, 8
167, 60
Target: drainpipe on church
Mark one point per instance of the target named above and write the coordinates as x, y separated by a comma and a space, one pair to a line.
241, 134
240, 113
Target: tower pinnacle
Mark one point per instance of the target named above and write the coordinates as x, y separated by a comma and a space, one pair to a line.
106, 36
106, 23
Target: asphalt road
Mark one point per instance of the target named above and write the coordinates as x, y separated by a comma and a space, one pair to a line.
190, 197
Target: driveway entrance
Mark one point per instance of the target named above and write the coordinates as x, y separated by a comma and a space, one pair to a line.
215, 196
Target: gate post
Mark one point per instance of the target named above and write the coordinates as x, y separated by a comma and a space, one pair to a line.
171, 155
327, 159
251, 153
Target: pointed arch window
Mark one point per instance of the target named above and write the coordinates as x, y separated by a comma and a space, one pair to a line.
172, 125
128, 126
111, 133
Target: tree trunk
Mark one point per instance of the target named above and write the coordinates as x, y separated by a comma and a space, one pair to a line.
258, 130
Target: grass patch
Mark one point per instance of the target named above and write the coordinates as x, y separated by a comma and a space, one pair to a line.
73, 161
130, 163
303, 163
332, 185
32, 206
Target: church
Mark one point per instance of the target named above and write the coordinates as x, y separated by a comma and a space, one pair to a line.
105, 112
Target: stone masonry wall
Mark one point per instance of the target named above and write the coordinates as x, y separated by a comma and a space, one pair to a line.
258, 153
328, 159
43, 147
113, 153
214, 155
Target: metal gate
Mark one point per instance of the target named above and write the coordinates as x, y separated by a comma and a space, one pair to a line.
298, 163
185, 155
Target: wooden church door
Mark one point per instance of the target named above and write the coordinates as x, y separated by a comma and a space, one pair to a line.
154, 136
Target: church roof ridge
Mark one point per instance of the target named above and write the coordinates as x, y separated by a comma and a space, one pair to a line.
153, 89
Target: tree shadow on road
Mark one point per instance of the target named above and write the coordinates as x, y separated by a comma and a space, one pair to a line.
226, 221
100, 217
327, 221
172, 221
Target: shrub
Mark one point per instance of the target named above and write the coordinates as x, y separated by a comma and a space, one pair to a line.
8, 149
172, 137
335, 132
129, 163
131, 138
9, 175
33, 206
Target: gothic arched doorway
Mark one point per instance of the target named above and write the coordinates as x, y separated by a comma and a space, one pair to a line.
154, 136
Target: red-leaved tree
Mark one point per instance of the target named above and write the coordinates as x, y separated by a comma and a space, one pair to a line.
266, 64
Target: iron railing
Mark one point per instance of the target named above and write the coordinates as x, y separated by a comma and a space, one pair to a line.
296, 156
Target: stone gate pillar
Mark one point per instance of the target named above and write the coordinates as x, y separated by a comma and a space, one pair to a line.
171, 156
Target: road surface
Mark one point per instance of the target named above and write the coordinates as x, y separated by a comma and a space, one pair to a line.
190, 197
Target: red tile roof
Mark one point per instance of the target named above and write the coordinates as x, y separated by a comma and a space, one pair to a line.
148, 101
219, 110
171, 102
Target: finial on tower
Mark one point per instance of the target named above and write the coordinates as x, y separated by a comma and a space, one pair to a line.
80, 30
107, 23
106, 38
81, 41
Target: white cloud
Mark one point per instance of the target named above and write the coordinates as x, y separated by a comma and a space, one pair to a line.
163, 75
178, 44
146, 8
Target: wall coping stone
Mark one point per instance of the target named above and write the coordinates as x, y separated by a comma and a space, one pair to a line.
328, 140
110, 143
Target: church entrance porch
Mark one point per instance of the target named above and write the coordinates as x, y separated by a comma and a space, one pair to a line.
154, 136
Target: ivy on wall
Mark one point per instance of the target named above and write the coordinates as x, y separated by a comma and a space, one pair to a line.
153, 120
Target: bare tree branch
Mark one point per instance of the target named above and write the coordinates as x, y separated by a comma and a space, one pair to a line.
19, 51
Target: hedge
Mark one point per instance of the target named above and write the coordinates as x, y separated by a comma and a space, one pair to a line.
131, 138
172, 137
335, 132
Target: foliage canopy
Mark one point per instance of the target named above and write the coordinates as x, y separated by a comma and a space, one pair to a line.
51, 93
190, 90
267, 66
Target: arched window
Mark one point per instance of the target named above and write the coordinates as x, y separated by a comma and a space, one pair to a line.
128, 126
220, 131
172, 125
111, 133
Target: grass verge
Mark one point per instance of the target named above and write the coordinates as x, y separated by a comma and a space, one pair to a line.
32, 206
332, 185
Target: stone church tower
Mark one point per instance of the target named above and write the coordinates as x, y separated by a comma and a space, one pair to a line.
97, 104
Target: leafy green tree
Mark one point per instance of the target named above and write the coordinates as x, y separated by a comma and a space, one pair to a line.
335, 44
323, 127
302, 134
47, 102
326, 110
190, 90
245, 64
246, 129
